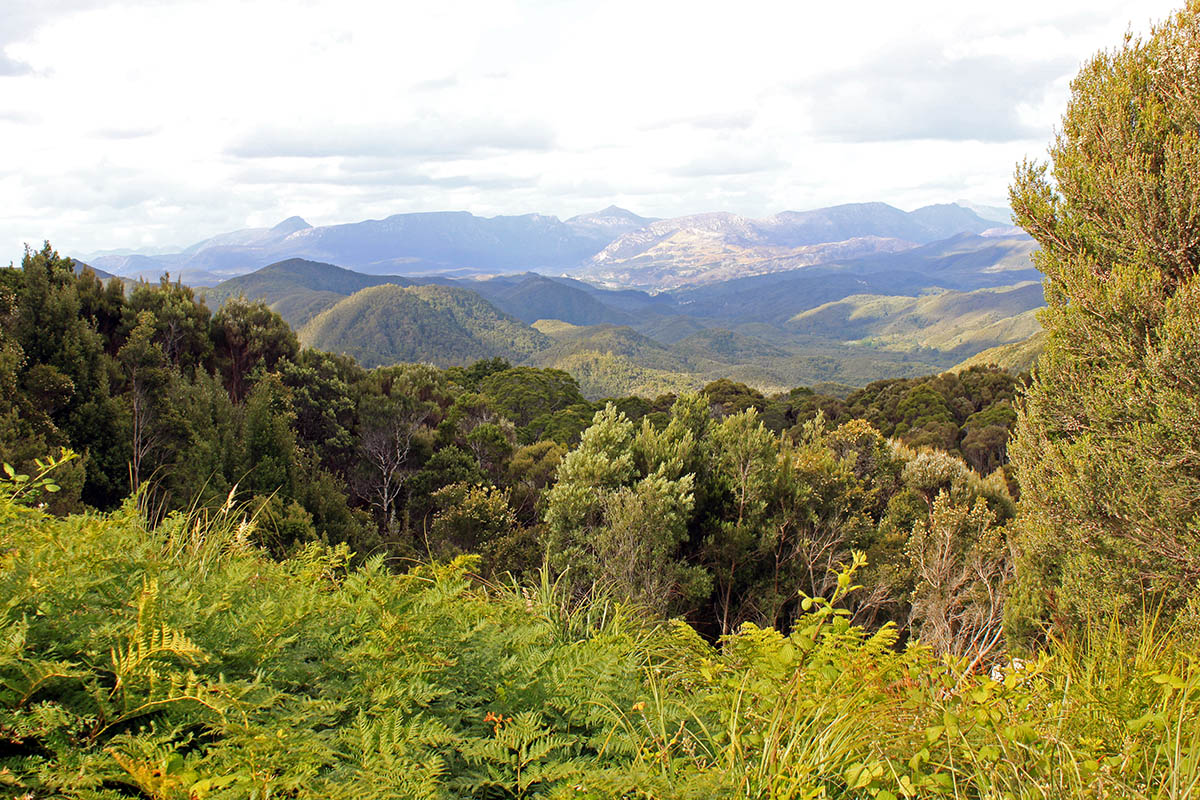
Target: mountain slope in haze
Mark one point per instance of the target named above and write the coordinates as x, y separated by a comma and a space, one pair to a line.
416, 243
608, 224
538, 297
963, 262
299, 289
706, 248
444, 325
701, 247
949, 321
615, 340
865, 326
446, 241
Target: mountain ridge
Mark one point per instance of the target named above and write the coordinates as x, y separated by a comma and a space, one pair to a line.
651, 253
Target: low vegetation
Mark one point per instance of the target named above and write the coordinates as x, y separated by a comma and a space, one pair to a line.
180, 661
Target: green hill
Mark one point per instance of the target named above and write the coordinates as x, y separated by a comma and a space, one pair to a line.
298, 289
609, 374
388, 324
729, 346
538, 297
617, 341
1015, 357
948, 321
770, 332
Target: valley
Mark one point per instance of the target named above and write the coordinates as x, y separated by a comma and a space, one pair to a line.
648, 316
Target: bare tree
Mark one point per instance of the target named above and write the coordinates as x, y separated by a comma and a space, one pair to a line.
385, 447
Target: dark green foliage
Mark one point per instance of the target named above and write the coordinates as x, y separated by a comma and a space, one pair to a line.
733, 398
943, 411
320, 385
524, 393
66, 371
449, 465
181, 322
323, 450
247, 336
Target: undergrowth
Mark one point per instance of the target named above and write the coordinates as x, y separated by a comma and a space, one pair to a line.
181, 662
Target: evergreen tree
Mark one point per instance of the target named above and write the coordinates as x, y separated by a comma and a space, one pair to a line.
246, 335
66, 369
1107, 446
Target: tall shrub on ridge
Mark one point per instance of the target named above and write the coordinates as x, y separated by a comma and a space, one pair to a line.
1107, 444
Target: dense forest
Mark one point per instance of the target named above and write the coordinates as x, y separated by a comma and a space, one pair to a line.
716, 506
232, 566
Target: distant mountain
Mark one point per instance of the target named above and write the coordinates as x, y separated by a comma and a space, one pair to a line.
998, 214
80, 266
389, 324
613, 245
538, 297
708, 248
608, 224
251, 237
888, 314
299, 289
417, 243
962, 261
290, 285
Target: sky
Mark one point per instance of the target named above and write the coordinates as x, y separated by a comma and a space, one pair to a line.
152, 124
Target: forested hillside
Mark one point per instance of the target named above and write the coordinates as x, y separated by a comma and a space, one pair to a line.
827, 325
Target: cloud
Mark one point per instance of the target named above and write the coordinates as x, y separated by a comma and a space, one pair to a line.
9, 67
124, 133
712, 165
429, 138
436, 84
921, 94
721, 121
306, 174
23, 17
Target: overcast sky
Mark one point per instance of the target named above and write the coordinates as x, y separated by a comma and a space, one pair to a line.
160, 122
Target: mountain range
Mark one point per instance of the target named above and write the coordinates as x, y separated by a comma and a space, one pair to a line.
628, 304
612, 247
912, 312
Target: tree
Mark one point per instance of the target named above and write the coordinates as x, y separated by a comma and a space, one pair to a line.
396, 404
1107, 447
181, 322
961, 566
246, 335
148, 377
470, 519
66, 368
619, 520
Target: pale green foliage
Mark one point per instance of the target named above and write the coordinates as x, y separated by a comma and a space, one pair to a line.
620, 510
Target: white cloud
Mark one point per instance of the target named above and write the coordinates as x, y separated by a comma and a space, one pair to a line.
150, 122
